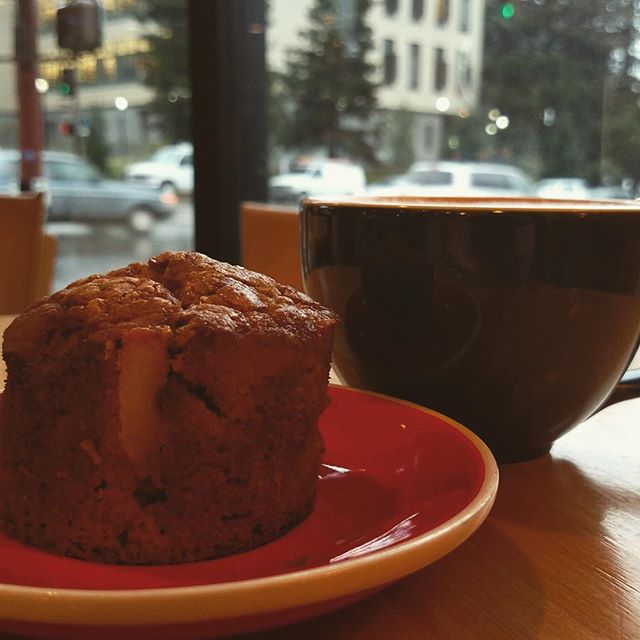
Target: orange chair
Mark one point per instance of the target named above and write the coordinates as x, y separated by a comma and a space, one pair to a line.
271, 241
27, 255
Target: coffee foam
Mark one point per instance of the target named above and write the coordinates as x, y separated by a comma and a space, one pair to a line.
463, 205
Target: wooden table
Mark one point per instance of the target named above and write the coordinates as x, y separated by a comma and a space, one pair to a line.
557, 559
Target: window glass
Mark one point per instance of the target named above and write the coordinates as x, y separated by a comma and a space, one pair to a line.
429, 137
414, 65
472, 81
390, 62
440, 74
442, 12
61, 171
108, 110
492, 180
417, 9
463, 71
431, 178
9, 174
465, 17
391, 7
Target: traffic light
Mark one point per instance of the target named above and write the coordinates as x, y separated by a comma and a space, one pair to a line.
507, 10
79, 25
66, 128
68, 82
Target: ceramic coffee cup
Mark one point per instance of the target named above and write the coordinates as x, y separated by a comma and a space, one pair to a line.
516, 317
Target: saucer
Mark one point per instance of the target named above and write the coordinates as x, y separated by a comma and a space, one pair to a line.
400, 487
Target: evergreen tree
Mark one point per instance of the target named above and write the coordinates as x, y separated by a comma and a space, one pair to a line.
96, 146
327, 90
546, 66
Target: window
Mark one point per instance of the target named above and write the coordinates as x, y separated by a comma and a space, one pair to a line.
105, 69
465, 15
417, 9
390, 63
128, 68
125, 69
493, 181
429, 137
391, 7
104, 131
9, 173
67, 171
442, 12
432, 178
440, 71
463, 71
414, 66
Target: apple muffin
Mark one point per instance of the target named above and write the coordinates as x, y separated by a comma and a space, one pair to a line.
162, 413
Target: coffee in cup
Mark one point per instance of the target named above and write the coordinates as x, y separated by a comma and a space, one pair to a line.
516, 317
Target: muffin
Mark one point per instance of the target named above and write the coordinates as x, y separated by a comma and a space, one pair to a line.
164, 412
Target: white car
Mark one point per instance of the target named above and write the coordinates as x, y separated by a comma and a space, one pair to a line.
318, 178
456, 179
170, 169
563, 188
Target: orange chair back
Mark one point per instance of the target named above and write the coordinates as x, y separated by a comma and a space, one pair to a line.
26, 256
271, 241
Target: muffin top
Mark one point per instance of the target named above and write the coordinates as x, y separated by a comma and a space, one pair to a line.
177, 292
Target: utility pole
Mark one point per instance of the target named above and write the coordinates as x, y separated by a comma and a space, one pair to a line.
30, 126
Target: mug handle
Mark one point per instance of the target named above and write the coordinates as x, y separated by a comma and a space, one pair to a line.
626, 389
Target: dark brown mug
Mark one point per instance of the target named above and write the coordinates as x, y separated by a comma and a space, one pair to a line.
516, 317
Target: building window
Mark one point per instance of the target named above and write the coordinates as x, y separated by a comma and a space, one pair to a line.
128, 68
463, 69
390, 62
465, 15
391, 7
417, 9
414, 66
429, 137
440, 75
442, 12
106, 69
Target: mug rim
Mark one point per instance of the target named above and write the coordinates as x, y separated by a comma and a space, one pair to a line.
464, 204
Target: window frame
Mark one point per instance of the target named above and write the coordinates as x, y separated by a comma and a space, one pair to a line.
229, 119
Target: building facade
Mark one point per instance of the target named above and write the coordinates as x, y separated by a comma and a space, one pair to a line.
428, 56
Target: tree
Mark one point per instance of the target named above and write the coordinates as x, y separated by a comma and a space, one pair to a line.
166, 65
96, 146
546, 64
327, 90
397, 140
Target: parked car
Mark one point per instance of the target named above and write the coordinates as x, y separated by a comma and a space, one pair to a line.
170, 169
77, 191
9, 172
452, 178
563, 188
610, 192
318, 178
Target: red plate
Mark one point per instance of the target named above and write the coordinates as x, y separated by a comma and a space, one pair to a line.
401, 486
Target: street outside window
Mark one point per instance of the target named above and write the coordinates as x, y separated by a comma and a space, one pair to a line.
373, 86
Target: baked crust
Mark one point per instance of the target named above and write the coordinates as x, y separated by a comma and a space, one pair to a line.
164, 412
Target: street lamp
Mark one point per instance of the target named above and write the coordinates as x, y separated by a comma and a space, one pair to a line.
42, 86
122, 104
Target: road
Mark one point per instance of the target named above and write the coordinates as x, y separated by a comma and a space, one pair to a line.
84, 249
